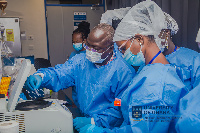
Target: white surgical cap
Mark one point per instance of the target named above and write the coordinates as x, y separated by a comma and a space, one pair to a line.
198, 36
145, 18
171, 24
115, 14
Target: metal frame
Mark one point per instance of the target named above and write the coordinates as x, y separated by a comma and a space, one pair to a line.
45, 7
71, 5
45, 10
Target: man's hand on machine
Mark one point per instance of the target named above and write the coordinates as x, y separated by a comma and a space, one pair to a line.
33, 82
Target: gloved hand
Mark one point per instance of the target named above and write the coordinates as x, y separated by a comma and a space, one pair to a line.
80, 122
33, 82
22, 96
91, 129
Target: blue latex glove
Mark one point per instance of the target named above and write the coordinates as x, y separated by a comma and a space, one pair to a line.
91, 129
33, 82
22, 96
80, 122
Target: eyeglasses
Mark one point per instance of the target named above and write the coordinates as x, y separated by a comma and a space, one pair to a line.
94, 50
123, 44
120, 48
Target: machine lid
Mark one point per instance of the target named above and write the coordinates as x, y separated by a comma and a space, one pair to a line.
18, 85
33, 105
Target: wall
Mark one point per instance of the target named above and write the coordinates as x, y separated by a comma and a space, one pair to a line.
32, 21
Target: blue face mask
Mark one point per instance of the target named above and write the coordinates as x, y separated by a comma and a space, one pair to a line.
134, 60
77, 46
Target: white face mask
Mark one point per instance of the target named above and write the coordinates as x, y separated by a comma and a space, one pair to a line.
95, 57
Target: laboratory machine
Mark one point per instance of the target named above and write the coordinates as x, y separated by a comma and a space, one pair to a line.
38, 116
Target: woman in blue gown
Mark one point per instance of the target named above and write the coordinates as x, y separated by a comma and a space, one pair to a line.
187, 64
150, 102
79, 38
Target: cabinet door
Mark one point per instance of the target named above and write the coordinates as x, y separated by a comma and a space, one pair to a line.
60, 21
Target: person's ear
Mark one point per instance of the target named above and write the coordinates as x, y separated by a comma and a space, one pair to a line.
84, 40
140, 39
167, 33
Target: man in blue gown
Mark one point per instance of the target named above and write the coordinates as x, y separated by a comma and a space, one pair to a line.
99, 77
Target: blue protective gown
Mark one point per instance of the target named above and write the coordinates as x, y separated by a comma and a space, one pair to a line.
189, 109
95, 88
187, 64
75, 53
117, 50
72, 55
155, 85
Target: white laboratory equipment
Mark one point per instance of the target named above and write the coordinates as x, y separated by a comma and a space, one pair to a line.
10, 33
39, 116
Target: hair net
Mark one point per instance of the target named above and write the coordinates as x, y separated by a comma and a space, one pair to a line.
171, 24
115, 14
198, 36
145, 18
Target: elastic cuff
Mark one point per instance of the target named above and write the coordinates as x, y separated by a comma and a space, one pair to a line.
40, 74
